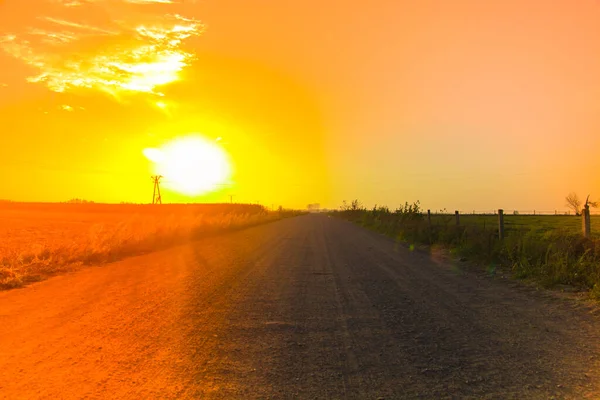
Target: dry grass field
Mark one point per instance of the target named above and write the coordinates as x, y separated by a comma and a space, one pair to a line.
38, 240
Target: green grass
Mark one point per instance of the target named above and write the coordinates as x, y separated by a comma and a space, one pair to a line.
518, 223
547, 249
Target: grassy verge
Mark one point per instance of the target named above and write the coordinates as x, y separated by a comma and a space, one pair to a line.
549, 257
129, 235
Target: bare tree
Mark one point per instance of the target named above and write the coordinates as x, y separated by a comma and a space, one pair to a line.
574, 203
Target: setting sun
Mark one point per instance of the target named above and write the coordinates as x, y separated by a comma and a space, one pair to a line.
191, 165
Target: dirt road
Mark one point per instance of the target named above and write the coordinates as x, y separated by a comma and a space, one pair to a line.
311, 307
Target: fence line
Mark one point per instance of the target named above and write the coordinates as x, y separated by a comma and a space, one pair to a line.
512, 212
585, 217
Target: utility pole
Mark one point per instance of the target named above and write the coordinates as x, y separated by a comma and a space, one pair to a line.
156, 198
231, 198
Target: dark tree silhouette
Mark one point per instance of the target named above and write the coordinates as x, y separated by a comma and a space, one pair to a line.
573, 202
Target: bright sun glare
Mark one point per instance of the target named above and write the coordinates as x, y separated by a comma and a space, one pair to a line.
191, 165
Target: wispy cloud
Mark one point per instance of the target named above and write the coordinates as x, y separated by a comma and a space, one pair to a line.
151, 1
122, 57
55, 38
21, 50
66, 107
76, 25
74, 3
7, 38
78, 3
71, 3
3, 85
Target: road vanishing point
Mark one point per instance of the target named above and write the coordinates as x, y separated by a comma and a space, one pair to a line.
311, 307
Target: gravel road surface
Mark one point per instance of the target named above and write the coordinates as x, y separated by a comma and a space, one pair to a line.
311, 308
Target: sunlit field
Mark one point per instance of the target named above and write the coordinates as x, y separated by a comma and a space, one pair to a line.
548, 249
536, 224
41, 240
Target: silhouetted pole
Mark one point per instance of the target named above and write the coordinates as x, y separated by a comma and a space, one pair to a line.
156, 197
501, 224
586, 223
457, 215
429, 218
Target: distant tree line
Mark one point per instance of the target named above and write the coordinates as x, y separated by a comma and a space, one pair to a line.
79, 201
313, 207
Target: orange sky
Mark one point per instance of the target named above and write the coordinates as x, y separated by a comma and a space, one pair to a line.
461, 104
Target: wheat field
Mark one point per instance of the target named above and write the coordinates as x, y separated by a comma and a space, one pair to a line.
39, 240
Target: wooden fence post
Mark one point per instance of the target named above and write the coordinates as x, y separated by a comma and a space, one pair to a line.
456, 214
586, 223
429, 218
501, 224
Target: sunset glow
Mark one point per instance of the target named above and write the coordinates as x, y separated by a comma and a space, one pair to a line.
238, 199
191, 165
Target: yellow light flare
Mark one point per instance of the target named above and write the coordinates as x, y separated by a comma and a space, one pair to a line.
191, 165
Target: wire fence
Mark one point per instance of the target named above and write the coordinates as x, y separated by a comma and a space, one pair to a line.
521, 220
512, 212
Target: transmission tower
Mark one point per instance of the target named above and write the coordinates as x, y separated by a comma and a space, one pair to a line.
156, 199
